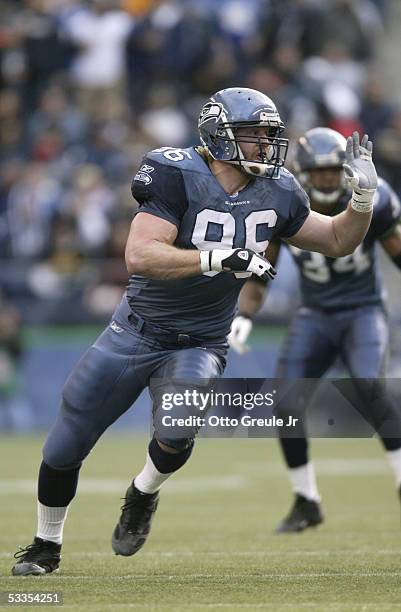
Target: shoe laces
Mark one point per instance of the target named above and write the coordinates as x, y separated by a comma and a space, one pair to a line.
31, 551
137, 510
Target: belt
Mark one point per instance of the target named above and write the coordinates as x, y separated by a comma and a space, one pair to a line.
169, 337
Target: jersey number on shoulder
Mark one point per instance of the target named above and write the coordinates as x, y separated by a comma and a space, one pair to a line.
226, 225
175, 155
316, 268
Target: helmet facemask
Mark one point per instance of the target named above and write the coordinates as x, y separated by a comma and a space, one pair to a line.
223, 142
271, 151
323, 197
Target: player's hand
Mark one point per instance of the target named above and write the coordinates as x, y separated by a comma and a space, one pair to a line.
359, 169
240, 329
236, 260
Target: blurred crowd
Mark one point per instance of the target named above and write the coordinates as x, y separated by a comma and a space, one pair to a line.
86, 88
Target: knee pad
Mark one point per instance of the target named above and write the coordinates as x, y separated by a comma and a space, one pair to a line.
166, 462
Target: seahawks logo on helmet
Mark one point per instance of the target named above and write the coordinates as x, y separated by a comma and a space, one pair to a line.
211, 111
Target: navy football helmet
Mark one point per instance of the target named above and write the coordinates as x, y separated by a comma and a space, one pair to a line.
320, 147
238, 107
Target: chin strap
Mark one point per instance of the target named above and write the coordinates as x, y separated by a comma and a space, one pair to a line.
253, 168
325, 198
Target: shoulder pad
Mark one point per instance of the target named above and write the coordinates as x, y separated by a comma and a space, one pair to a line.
287, 180
183, 159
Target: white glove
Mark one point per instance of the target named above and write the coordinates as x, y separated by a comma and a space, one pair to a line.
360, 172
236, 260
240, 329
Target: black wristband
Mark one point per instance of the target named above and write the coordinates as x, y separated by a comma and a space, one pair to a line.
397, 260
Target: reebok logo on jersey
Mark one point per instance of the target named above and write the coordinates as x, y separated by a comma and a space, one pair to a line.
116, 327
243, 254
146, 168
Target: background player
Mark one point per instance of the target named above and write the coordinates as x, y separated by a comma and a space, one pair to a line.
341, 313
204, 215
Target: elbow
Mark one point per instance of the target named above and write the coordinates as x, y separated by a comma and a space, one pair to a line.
134, 262
347, 251
341, 251
130, 265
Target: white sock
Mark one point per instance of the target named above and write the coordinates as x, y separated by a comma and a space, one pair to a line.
150, 479
394, 458
51, 522
303, 481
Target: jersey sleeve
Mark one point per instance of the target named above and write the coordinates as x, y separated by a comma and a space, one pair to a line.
386, 212
159, 190
298, 211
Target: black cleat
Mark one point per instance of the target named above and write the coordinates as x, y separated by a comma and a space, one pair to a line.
134, 525
40, 557
303, 514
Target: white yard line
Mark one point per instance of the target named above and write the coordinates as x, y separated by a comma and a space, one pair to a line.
218, 577
326, 467
105, 486
248, 553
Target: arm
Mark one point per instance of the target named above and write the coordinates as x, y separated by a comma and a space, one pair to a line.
150, 252
333, 236
250, 300
340, 235
392, 245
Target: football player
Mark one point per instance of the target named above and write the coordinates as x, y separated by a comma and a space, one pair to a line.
206, 215
341, 312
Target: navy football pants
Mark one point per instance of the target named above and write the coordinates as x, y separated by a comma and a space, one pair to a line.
315, 339
108, 379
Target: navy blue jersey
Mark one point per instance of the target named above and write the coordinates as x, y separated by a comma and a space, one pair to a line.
353, 280
177, 185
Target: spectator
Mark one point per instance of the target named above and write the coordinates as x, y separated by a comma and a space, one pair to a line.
377, 111
91, 203
11, 134
388, 151
170, 44
97, 71
55, 112
46, 52
32, 202
354, 25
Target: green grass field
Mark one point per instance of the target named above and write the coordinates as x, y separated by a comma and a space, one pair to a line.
212, 546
